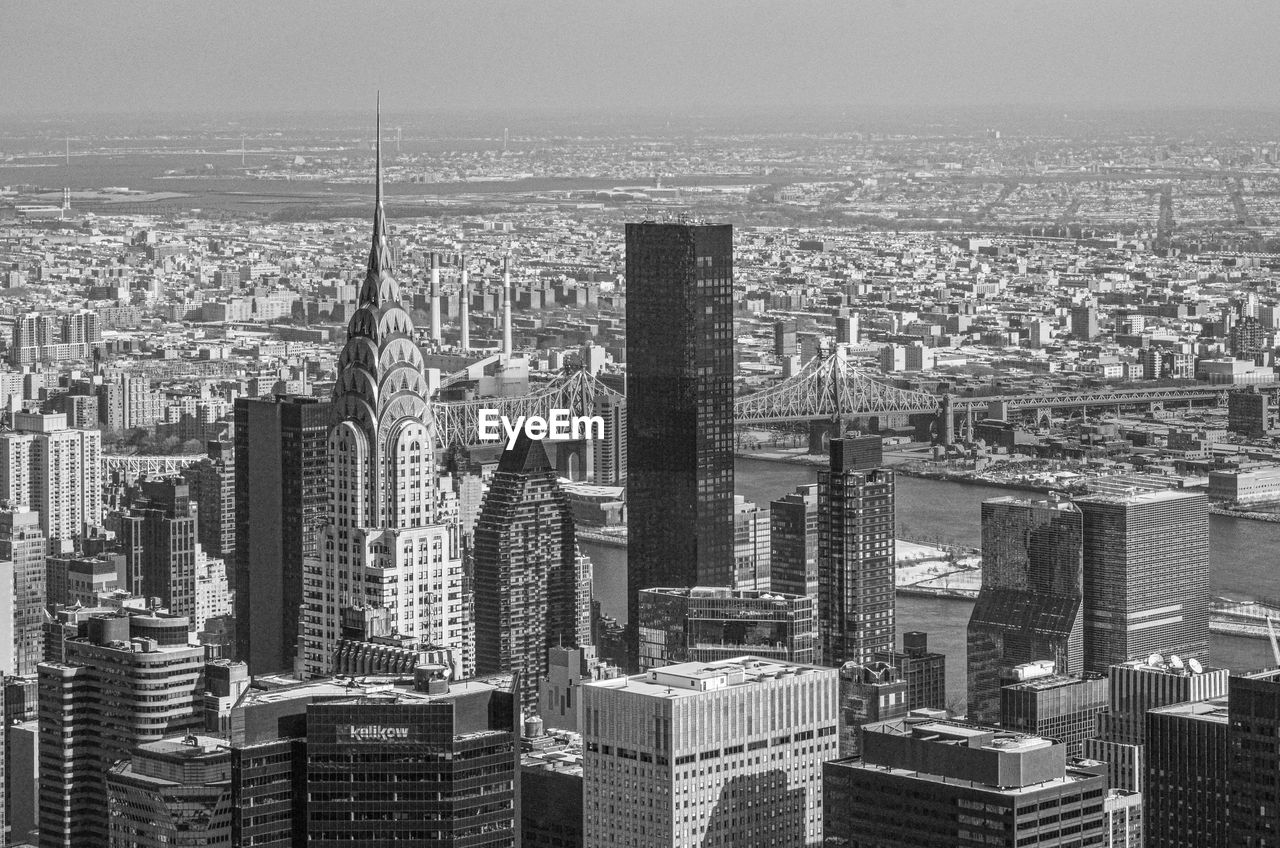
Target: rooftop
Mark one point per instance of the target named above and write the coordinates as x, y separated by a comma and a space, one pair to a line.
1214, 710
691, 678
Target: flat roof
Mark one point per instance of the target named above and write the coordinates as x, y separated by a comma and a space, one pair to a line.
684, 680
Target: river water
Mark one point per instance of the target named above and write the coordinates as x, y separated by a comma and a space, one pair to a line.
1244, 559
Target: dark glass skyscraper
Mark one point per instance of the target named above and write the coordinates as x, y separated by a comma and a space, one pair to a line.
1253, 724
856, 590
679, 407
532, 588
793, 542
282, 467
1146, 576
1029, 606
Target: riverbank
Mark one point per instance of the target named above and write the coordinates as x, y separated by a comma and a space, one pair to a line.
1252, 516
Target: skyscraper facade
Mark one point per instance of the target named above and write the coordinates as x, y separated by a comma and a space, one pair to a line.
281, 500
1146, 576
793, 542
856, 591
532, 587
679, 406
381, 545
1253, 725
728, 753
54, 470
1029, 606
609, 455
161, 562
1185, 791
23, 543
213, 487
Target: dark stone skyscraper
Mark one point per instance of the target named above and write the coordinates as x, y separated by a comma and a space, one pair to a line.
1029, 607
679, 407
856, 591
1146, 576
532, 588
281, 495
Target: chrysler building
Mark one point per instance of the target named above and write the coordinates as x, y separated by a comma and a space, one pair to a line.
382, 546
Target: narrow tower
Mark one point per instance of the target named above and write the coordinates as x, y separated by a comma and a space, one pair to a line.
506, 307
464, 307
435, 297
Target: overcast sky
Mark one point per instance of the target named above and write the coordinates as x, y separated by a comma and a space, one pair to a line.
620, 55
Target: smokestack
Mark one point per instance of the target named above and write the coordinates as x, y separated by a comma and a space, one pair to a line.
465, 317
506, 306
435, 297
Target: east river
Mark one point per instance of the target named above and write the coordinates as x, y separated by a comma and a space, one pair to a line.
1244, 557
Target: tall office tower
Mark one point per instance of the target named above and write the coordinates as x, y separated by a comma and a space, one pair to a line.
679, 407
923, 783
609, 455
532, 587
784, 337
382, 762
1134, 688
868, 693
1029, 606
127, 679
160, 546
1058, 706
23, 544
847, 327
32, 334
172, 793
709, 624
1146, 576
1253, 716
213, 487
55, 471
1188, 756
742, 743
560, 692
1084, 322
793, 542
924, 671
751, 546
855, 553
381, 546
281, 495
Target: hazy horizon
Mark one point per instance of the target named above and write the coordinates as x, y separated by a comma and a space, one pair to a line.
713, 56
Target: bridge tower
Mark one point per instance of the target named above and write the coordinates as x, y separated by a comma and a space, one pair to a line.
946, 431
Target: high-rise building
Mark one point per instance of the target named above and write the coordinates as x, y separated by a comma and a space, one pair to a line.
1187, 758
1253, 725
1134, 688
23, 544
856, 590
127, 679
532, 586
924, 783
213, 487
924, 671
172, 793
712, 623
1084, 322
1058, 706
1029, 606
54, 470
679, 407
742, 742
868, 694
560, 692
160, 546
281, 495
751, 546
609, 455
381, 545
793, 542
784, 337
1146, 576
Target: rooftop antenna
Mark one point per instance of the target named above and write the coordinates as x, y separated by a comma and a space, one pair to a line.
68, 151
241, 150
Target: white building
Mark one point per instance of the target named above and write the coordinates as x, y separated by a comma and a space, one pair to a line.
54, 470
727, 753
382, 546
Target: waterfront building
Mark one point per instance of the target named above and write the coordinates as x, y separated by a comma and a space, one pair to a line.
609, 455
1146, 576
532, 586
281, 494
1030, 604
711, 623
793, 542
924, 671
381, 545
1187, 756
856, 590
926, 783
680, 427
742, 742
